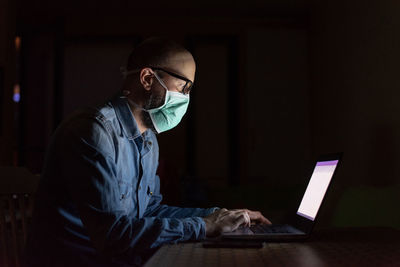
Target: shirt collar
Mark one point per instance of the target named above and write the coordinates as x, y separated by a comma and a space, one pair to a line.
125, 117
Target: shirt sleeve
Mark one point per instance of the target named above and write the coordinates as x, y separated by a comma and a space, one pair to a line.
90, 174
155, 208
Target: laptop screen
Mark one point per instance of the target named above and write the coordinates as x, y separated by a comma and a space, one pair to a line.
316, 189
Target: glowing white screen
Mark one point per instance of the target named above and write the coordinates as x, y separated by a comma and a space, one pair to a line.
316, 189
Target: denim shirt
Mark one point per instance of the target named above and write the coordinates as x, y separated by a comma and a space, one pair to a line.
99, 193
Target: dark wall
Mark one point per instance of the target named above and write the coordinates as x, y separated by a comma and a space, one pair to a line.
355, 86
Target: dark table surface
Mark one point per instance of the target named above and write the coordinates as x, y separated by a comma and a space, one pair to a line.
328, 247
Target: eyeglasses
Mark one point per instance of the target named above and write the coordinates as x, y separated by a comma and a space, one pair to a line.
188, 85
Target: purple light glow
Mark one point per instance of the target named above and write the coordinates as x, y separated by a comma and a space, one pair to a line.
327, 163
16, 97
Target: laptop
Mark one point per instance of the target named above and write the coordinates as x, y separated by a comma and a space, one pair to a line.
303, 221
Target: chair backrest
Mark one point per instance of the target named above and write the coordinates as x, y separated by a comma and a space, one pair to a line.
17, 188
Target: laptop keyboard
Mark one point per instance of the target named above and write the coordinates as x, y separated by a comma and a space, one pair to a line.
269, 229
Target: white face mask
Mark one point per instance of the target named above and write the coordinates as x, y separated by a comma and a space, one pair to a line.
170, 113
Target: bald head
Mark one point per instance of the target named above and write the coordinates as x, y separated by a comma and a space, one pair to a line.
160, 52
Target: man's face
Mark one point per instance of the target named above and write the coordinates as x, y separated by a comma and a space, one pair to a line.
181, 64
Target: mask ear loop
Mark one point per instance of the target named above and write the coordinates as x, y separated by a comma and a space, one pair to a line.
160, 81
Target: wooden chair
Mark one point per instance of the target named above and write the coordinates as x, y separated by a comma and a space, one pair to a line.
17, 187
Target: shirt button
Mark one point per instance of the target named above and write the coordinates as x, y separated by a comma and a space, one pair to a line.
149, 142
140, 187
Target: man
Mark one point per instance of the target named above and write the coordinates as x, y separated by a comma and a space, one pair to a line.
98, 203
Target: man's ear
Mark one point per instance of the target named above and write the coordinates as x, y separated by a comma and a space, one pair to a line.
146, 78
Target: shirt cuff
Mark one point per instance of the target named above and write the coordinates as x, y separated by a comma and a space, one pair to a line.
215, 209
194, 228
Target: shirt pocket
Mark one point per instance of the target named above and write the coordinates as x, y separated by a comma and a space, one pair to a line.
125, 195
148, 194
150, 191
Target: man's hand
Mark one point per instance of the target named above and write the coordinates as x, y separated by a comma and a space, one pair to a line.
224, 220
257, 217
